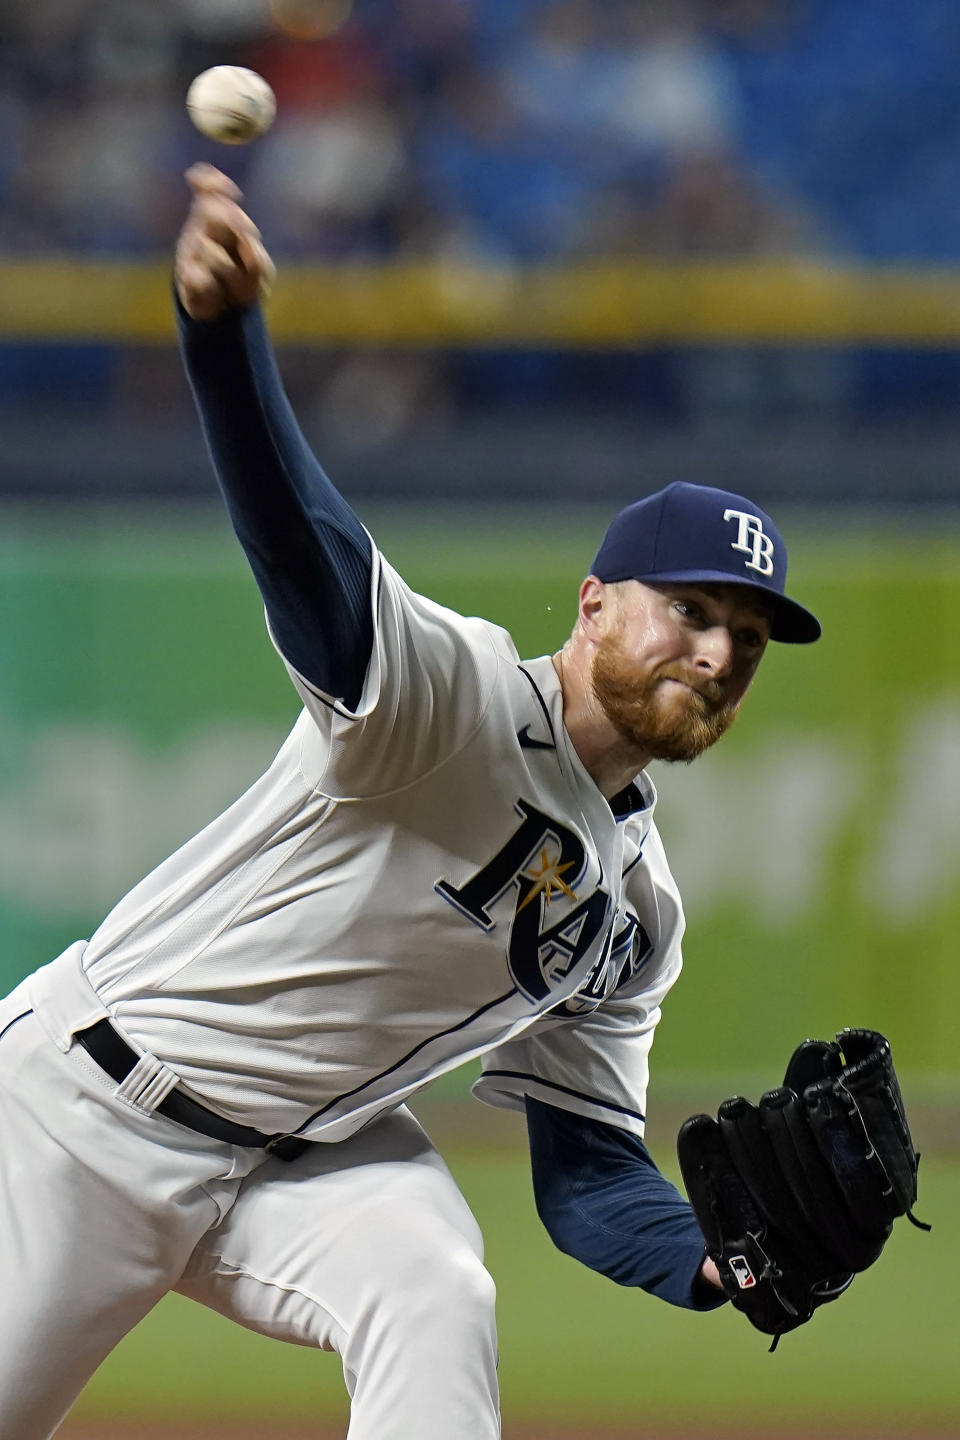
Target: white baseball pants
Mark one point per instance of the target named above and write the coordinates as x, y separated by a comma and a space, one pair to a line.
365, 1247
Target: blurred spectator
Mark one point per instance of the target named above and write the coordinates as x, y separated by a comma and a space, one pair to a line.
709, 206
318, 73
328, 177
425, 39
329, 171
96, 180
559, 72
497, 182
674, 92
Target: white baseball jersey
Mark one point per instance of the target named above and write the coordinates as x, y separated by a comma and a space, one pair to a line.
429, 878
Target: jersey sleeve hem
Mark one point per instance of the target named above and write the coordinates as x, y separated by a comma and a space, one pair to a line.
370, 693
508, 1089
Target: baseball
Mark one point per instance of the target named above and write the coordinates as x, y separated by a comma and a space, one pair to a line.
231, 104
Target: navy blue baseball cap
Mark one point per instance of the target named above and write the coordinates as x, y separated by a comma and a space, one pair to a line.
693, 532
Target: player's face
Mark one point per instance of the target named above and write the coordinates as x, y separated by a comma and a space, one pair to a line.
675, 663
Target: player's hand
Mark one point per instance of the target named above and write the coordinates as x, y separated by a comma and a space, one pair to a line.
220, 260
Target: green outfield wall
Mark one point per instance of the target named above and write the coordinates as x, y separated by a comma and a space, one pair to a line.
817, 848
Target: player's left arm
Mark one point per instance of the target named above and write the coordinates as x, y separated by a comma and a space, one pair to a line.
582, 1083
604, 1202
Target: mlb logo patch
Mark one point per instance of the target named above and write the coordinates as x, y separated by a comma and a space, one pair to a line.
742, 1273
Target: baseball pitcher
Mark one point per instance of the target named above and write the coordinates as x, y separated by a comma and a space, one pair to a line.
452, 856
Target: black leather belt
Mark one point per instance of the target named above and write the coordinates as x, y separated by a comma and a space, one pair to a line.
117, 1058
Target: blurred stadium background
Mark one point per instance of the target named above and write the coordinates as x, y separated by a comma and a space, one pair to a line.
537, 257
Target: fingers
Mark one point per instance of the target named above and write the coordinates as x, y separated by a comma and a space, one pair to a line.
220, 260
207, 179
216, 205
210, 277
216, 259
253, 257
221, 219
201, 294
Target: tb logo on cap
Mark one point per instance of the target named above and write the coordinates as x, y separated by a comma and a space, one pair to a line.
752, 540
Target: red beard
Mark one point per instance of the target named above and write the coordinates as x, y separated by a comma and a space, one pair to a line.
676, 727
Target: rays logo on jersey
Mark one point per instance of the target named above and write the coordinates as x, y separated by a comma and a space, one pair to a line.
544, 861
624, 954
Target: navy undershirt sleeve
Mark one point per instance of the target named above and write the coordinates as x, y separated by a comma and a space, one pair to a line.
604, 1202
310, 555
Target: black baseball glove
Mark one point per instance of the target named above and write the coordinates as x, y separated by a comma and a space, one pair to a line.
799, 1193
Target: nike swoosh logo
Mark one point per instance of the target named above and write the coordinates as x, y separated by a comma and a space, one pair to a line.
527, 741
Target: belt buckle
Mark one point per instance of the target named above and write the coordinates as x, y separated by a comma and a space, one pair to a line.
286, 1147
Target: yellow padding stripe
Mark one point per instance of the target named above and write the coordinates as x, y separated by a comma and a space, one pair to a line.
584, 305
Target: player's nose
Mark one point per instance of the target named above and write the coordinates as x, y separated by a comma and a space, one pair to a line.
714, 654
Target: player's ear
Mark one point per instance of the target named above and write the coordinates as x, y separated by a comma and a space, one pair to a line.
598, 607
